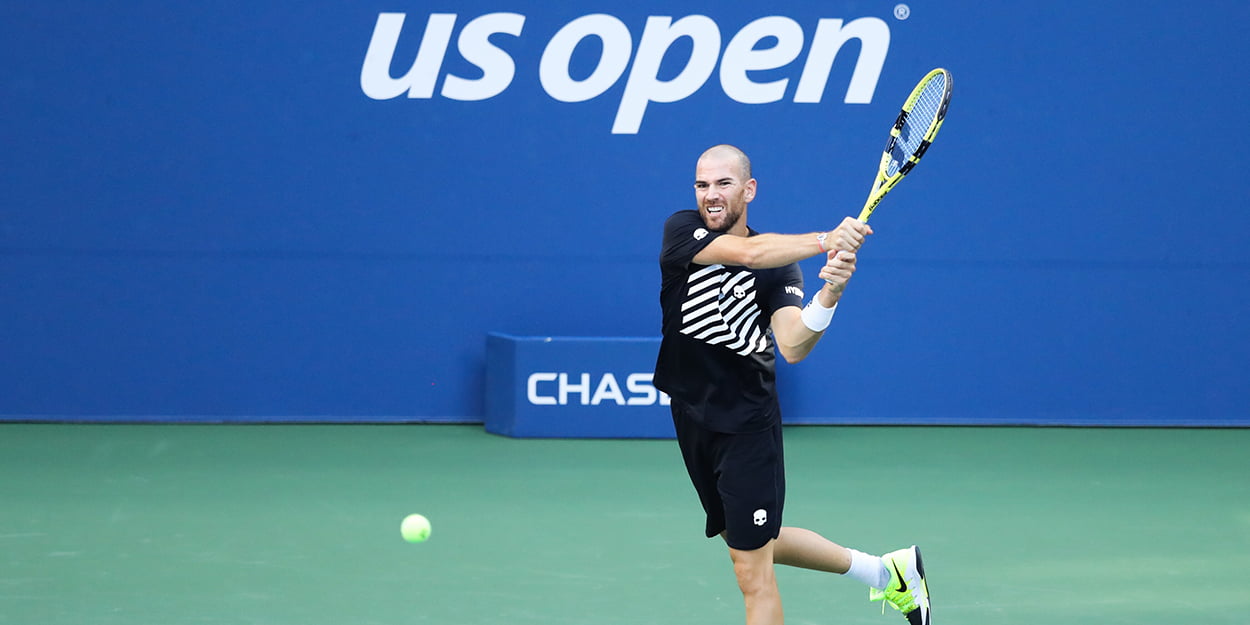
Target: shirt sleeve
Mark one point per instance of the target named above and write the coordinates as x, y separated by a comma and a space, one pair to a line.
685, 236
789, 291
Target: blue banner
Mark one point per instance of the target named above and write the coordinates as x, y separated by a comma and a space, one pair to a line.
318, 210
571, 387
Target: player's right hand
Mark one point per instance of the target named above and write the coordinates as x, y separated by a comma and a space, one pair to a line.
838, 269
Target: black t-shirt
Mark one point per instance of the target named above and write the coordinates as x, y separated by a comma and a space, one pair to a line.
717, 355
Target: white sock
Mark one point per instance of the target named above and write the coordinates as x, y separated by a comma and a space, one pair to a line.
868, 569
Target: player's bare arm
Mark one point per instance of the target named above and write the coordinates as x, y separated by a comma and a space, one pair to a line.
762, 251
765, 251
794, 339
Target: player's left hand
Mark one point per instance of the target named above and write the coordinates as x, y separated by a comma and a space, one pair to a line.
848, 236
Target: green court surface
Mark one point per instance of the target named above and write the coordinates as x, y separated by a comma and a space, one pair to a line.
299, 524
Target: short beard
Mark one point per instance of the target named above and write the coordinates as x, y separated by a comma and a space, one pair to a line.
731, 220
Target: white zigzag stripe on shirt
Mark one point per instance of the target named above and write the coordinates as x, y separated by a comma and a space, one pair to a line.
720, 309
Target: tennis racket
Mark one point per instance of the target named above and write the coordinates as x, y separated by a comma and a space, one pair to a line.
914, 130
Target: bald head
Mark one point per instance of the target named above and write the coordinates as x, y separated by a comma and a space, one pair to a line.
723, 187
730, 153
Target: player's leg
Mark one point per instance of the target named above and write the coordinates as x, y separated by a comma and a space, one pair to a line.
897, 577
698, 453
757, 580
705, 454
808, 550
752, 486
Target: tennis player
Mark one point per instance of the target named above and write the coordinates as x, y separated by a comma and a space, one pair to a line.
730, 297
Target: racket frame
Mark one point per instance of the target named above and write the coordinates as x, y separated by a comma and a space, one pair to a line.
884, 183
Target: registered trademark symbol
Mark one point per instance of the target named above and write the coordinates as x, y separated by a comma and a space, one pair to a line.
902, 11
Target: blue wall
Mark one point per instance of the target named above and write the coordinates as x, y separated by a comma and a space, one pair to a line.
203, 216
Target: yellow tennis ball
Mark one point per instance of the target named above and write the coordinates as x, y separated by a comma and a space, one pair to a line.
415, 528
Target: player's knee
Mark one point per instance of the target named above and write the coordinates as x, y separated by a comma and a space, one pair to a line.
755, 572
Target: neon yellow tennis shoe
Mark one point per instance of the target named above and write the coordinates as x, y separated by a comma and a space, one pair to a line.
907, 591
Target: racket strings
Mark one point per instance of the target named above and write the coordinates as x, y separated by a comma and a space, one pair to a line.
923, 114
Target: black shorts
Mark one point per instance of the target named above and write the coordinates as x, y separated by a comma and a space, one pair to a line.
740, 478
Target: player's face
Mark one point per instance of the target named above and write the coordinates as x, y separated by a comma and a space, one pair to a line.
721, 193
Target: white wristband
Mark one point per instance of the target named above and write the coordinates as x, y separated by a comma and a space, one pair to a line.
816, 317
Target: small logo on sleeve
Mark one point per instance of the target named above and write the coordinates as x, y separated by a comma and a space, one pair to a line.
699, 234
